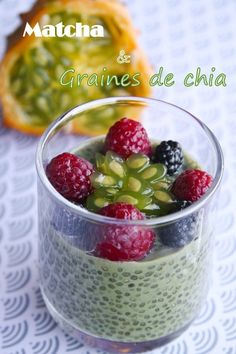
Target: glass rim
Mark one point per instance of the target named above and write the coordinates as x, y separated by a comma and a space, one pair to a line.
93, 217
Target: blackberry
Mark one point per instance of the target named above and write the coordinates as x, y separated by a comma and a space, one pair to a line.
76, 230
178, 205
180, 233
170, 154
182, 204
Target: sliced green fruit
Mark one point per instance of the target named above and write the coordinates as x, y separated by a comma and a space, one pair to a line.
100, 162
136, 181
162, 184
95, 202
163, 196
115, 165
99, 180
137, 162
133, 198
154, 172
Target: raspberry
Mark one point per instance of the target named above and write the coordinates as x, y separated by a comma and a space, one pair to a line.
124, 243
191, 185
69, 175
126, 137
122, 211
170, 154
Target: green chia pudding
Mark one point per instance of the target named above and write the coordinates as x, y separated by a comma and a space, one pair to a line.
126, 301
133, 299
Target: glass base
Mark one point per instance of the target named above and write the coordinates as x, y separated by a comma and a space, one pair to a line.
110, 345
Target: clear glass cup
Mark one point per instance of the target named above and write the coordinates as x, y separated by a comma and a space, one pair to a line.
125, 306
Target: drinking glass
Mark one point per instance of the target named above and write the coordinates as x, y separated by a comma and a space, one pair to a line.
125, 306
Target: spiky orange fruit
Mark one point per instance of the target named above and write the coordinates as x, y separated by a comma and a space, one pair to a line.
31, 93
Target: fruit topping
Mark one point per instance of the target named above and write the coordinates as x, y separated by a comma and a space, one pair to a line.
124, 243
170, 154
182, 204
122, 211
191, 185
181, 232
126, 137
76, 230
127, 183
70, 176
135, 181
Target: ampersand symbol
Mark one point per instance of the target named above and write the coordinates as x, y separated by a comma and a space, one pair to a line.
123, 58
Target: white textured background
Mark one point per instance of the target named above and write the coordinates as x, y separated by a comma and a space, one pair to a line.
179, 35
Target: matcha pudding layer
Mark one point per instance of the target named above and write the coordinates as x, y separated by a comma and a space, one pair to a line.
126, 301
120, 277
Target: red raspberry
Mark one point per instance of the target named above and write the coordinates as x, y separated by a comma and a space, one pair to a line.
124, 243
191, 185
69, 175
126, 137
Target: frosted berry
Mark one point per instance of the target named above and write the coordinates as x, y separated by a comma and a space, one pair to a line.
126, 137
191, 185
124, 243
70, 176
